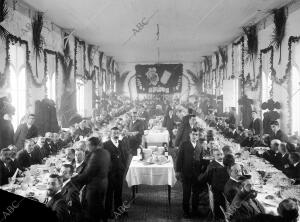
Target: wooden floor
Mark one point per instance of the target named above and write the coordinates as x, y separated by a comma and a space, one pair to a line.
151, 204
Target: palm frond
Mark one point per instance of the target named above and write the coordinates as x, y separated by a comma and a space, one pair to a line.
279, 28
252, 41
223, 56
3, 15
66, 49
66, 64
123, 76
37, 38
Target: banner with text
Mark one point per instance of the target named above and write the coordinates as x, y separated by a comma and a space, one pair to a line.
159, 78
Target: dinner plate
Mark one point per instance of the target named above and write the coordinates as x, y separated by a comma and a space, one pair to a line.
41, 186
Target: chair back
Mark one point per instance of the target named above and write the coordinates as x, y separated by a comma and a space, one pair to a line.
211, 199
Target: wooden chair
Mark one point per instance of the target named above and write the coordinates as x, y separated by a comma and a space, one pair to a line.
211, 201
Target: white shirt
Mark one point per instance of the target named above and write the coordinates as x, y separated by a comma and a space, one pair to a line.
78, 164
219, 162
194, 144
234, 179
115, 142
296, 164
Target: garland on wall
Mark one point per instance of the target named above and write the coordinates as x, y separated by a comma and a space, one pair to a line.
3, 15
82, 43
240, 41
50, 52
66, 61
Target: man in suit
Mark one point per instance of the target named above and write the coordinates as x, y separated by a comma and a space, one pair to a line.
4, 170
233, 185
43, 146
217, 162
116, 174
277, 133
23, 156
256, 125
169, 123
188, 168
55, 198
294, 171
136, 127
79, 160
245, 199
272, 155
217, 178
25, 131
71, 156
284, 160
95, 177
70, 194
184, 130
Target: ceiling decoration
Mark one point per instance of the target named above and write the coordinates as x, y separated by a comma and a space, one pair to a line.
188, 30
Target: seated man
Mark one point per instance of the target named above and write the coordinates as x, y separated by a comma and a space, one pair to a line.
284, 158
71, 156
44, 148
79, 160
70, 193
248, 141
217, 162
4, 169
245, 203
217, 178
294, 171
55, 199
272, 155
233, 185
23, 156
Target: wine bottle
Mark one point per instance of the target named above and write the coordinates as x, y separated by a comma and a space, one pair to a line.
142, 154
166, 153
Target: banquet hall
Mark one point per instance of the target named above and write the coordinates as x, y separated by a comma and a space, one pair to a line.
148, 110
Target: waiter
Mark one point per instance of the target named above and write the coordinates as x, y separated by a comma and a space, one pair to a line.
136, 128
116, 173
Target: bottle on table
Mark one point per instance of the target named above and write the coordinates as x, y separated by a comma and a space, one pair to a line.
140, 153
166, 153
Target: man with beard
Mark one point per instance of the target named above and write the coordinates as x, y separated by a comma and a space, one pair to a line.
70, 194
55, 199
94, 176
4, 170
245, 202
116, 173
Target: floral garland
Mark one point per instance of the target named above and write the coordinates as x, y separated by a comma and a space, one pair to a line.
13, 39
3, 76
77, 41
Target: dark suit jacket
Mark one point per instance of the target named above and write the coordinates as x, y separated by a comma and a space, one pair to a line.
183, 133
23, 133
36, 156
216, 177
214, 164
231, 188
23, 159
59, 206
257, 127
169, 123
294, 173
6, 133
118, 157
285, 163
137, 126
4, 174
280, 135
95, 172
247, 210
186, 163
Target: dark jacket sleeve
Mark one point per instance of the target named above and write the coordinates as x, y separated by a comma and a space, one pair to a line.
179, 161
17, 134
62, 212
179, 134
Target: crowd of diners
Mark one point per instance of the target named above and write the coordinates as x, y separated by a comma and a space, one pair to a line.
88, 186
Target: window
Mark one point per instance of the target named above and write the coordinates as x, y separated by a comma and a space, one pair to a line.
51, 86
295, 98
80, 97
266, 86
18, 82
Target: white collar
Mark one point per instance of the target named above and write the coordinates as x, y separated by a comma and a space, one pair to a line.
194, 144
234, 179
78, 164
64, 183
115, 142
219, 162
295, 164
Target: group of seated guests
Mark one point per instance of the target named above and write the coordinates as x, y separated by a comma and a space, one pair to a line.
231, 190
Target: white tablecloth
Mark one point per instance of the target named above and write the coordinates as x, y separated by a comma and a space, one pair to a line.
153, 174
157, 137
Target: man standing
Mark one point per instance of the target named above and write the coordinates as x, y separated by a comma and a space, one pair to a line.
136, 128
116, 173
25, 131
256, 125
95, 177
188, 167
169, 123
188, 123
